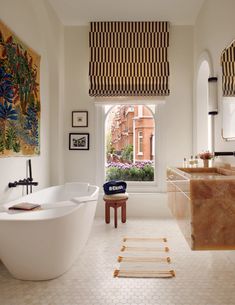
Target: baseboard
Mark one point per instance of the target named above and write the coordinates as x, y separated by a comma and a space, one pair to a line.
152, 205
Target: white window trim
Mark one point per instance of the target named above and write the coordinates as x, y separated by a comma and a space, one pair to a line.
160, 160
153, 147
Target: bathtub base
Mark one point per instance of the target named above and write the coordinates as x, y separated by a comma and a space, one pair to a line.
46, 244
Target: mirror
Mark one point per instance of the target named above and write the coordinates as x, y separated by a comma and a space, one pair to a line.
228, 118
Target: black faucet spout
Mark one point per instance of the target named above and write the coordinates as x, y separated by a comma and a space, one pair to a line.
12, 184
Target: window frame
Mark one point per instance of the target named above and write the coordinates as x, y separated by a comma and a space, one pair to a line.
153, 146
158, 185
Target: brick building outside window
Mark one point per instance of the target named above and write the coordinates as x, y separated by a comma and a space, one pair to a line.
129, 137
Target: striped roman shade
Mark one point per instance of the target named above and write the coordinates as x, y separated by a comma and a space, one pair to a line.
228, 70
129, 59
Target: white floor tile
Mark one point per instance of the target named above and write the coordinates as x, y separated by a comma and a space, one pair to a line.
202, 277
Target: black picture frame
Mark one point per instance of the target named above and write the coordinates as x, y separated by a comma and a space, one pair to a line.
79, 141
79, 118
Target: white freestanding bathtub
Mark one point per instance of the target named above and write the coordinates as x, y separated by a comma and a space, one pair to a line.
43, 244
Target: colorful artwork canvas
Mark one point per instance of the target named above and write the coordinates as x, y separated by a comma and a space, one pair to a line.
19, 97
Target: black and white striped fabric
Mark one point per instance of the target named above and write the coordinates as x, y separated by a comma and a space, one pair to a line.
129, 59
228, 70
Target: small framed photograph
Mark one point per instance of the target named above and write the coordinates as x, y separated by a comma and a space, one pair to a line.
79, 118
79, 141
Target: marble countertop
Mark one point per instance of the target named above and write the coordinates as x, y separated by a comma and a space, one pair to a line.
210, 173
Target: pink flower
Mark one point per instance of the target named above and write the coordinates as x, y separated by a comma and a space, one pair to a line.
206, 155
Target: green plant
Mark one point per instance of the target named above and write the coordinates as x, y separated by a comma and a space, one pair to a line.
135, 174
19, 63
16, 147
31, 124
143, 171
109, 147
148, 173
127, 153
10, 137
113, 173
19, 96
2, 146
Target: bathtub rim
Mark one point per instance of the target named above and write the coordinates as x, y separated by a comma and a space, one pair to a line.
93, 198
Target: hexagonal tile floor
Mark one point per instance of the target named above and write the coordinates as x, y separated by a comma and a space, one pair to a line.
202, 277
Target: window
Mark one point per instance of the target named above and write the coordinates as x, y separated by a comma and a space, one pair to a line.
140, 142
228, 118
155, 110
128, 150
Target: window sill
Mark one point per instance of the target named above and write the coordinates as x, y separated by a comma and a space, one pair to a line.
142, 187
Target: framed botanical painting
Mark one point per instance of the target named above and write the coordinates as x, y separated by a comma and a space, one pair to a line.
79, 141
79, 118
20, 106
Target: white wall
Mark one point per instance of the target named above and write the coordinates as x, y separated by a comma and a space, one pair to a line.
78, 165
214, 30
201, 109
36, 24
142, 205
176, 114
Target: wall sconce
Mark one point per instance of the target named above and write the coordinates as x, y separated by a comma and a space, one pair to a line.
212, 96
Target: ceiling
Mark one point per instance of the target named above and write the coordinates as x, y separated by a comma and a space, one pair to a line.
80, 12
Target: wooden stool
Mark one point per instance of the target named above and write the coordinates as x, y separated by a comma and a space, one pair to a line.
115, 201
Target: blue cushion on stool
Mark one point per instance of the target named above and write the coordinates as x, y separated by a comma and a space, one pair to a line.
114, 187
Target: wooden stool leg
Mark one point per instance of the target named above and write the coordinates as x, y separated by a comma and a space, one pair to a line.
115, 217
124, 212
107, 213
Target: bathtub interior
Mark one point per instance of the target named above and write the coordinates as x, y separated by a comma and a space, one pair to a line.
55, 200
61, 193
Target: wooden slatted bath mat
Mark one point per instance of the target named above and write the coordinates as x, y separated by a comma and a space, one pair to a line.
144, 249
144, 274
144, 239
144, 257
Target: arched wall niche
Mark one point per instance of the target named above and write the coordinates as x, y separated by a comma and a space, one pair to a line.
203, 125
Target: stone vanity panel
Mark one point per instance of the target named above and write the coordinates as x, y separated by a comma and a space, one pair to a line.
203, 202
213, 214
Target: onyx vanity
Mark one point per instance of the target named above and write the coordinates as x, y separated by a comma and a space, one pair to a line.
203, 202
